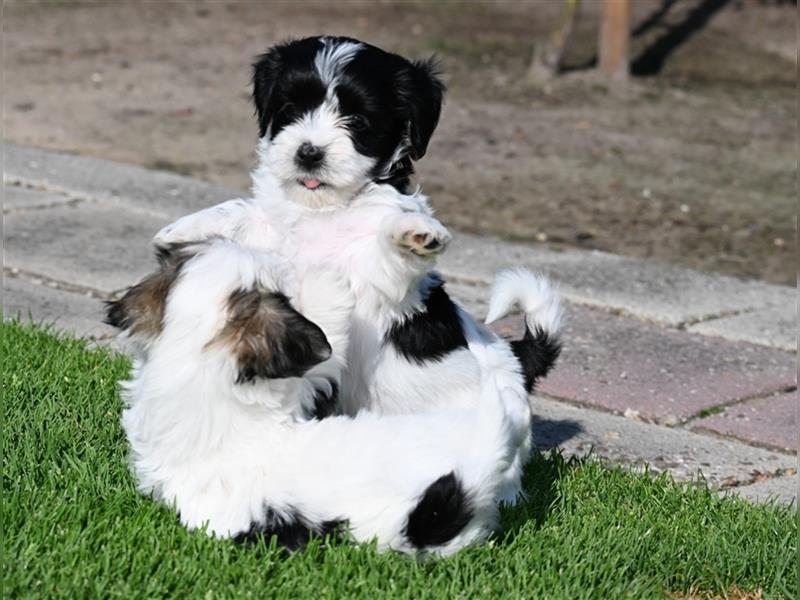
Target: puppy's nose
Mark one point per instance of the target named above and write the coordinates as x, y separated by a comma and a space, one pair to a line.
309, 155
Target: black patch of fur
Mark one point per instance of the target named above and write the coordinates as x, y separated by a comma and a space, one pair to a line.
292, 532
431, 333
177, 253
421, 91
117, 314
536, 352
324, 403
286, 84
440, 515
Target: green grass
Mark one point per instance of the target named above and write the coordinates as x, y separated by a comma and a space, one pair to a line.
707, 412
75, 527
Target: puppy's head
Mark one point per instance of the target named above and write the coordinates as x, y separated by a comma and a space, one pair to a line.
267, 338
335, 113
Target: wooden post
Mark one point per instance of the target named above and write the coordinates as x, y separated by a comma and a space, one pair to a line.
615, 34
548, 54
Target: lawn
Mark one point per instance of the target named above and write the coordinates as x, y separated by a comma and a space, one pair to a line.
75, 527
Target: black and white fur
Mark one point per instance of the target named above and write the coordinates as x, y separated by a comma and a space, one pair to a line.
236, 343
340, 123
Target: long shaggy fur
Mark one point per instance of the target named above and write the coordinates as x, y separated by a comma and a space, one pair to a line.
412, 349
237, 456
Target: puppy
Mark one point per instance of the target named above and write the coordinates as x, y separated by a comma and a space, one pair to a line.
340, 123
215, 415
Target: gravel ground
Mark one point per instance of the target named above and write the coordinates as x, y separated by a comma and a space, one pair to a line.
695, 165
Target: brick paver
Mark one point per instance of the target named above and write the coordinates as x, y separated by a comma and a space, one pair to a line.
768, 421
774, 326
622, 364
685, 454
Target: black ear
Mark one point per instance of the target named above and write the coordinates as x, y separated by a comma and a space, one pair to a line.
266, 71
421, 91
269, 338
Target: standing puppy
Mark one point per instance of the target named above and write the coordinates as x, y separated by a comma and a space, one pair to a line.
339, 121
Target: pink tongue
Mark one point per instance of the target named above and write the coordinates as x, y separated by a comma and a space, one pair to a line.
312, 184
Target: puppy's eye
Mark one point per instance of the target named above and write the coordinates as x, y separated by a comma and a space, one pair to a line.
358, 123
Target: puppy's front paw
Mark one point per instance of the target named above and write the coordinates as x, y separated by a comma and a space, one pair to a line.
175, 233
421, 235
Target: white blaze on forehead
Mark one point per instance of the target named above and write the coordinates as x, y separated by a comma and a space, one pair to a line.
332, 58
318, 126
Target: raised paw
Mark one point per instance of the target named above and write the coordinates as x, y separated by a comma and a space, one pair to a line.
421, 235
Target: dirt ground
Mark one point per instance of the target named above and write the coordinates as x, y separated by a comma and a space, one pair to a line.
695, 164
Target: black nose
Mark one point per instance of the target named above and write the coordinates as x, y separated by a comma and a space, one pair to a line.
309, 155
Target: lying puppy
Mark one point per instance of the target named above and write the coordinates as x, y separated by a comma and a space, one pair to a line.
215, 414
340, 122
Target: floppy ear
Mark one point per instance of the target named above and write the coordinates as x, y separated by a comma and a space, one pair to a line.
421, 91
266, 71
269, 338
141, 309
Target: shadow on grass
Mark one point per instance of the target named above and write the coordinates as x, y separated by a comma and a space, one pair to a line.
540, 484
540, 480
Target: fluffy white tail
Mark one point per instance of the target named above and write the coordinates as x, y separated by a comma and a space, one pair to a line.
534, 294
539, 348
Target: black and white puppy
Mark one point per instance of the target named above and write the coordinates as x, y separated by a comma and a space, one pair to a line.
215, 414
341, 122
366, 115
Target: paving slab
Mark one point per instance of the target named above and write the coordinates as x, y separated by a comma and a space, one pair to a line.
686, 455
780, 489
165, 194
770, 421
102, 247
636, 368
68, 311
775, 326
17, 197
652, 291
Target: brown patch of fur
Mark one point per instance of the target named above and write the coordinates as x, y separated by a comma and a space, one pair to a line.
268, 337
141, 309
252, 319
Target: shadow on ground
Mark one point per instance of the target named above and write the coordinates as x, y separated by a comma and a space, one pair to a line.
650, 61
549, 434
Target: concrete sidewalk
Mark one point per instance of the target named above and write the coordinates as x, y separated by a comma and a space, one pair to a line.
684, 371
